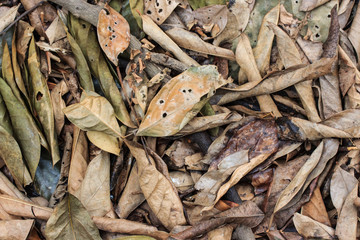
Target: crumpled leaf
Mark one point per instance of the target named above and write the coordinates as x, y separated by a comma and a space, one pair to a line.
157, 190
25, 131
15, 229
10, 152
342, 183
94, 192
310, 228
160, 10
171, 108
42, 102
113, 33
212, 19
70, 220
94, 113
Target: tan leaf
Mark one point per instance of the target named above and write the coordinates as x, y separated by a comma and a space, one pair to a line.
70, 220
354, 32
192, 41
213, 17
17, 207
346, 227
8, 17
309, 5
316, 209
59, 104
157, 190
224, 233
79, 160
94, 192
104, 141
160, 10
132, 196
296, 184
15, 229
113, 33
342, 183
310, 228
94, 113
175, 104
128, 227
151, 29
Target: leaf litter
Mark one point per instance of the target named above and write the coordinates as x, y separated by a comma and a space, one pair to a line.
179, 119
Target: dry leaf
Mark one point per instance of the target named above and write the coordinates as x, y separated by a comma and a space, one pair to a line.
310, 228
212, 18
59, 104
346, 227
113, 33
104, 141
15, 229
160, 10
8, 17
79, 160
157, 190
192, 41
17, 207
308, 5
342, 183
94, 192
316, 209
224, 233
94, 113
175, 104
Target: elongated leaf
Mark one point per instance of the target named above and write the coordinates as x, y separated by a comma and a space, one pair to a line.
4, 117
94, 192
87, 40
81, 64
22, 208
10, 152
157, 190
70, 220
342, 183
296, 184
42, 102
167, 111
79, 160
203, 3
94, 113
104, 141
25, 131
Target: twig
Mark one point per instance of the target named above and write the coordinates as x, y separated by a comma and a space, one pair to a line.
20, 17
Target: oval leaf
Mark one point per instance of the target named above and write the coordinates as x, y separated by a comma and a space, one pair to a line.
113, 33
94, 113
70, 220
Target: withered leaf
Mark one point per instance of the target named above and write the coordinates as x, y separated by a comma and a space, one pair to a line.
160, 10
172, 107
310, 228
157, 190
113, 33
70, 220
15, 229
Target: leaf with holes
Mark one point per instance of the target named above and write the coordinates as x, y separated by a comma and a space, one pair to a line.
42, 102
160, 10
113, 33
174, 106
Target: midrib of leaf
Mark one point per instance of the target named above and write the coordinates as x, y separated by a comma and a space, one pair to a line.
70, 219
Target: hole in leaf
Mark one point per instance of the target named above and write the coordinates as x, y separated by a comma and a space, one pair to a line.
106, 11
189, 90
164, 114
160, 10
161, 101
106, 45
39, 95
115, 23
110, 38
83, 25
329, 16
296, 2
184, 91
158, 19
113, 36
109, 28
157, 3
317, 35
316, 26
169, 2
148, 12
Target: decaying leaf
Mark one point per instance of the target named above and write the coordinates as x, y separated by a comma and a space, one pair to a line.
94, 192
310, 228
157, 190
94, 113
173, 107
70, 220
160, 10
113, 33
